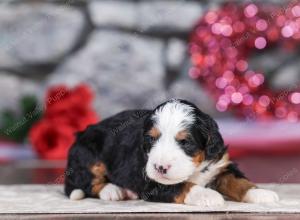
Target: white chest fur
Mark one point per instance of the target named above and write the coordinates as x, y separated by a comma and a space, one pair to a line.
208, 170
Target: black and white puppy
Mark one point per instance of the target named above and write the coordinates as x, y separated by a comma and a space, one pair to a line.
173, 154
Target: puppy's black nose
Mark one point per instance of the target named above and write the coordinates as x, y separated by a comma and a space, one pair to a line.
162, 169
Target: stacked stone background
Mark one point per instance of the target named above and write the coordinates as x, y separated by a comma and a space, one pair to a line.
132, 53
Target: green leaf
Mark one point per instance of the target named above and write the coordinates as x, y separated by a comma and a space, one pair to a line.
16, 128
28, 104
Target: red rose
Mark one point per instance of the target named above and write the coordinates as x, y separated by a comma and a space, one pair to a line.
52, 141
72, 105
77, 120
67, 112
61, 100
86, 118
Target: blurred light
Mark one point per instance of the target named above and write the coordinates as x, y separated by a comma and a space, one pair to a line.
209, 60
250, 10
229, 90
226, 30
256, 80
231, 52
296, 11
260, 109
225, 98
295, 98
236, 97
261, 25
221, 82
221, 106
211, 17
242, 65
228, 75
248, 99
216, 28
287, 31
244, 89
264, 101
260, 43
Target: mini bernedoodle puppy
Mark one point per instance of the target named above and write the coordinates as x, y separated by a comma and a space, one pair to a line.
172, 154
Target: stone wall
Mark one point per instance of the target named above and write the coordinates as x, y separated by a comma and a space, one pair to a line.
133, 53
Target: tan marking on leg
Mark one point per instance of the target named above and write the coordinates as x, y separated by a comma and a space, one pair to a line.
185, 190
99, 181
98, 169
97, 188
232, 187
198, 158
154, 132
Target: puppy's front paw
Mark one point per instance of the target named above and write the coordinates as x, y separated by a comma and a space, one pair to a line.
203, 197
260, 196
112, 192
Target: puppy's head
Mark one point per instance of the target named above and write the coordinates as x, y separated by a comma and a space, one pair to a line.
177, 138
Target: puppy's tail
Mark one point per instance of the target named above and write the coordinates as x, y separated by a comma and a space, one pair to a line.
77, 194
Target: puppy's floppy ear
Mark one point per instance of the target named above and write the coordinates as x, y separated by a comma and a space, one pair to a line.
214, 144
148, 123
213, 141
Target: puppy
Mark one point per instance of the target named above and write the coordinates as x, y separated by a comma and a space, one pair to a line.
172, 154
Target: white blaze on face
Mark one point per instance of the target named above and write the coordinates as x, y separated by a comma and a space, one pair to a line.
170, 119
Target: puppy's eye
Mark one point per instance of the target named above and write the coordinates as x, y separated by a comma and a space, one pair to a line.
150, 139
183, 142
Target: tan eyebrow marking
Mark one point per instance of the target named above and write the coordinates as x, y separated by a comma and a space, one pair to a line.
154, 132
181, 135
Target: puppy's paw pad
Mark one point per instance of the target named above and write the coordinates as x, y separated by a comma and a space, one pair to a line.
260, 196
204, 197
112, 192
